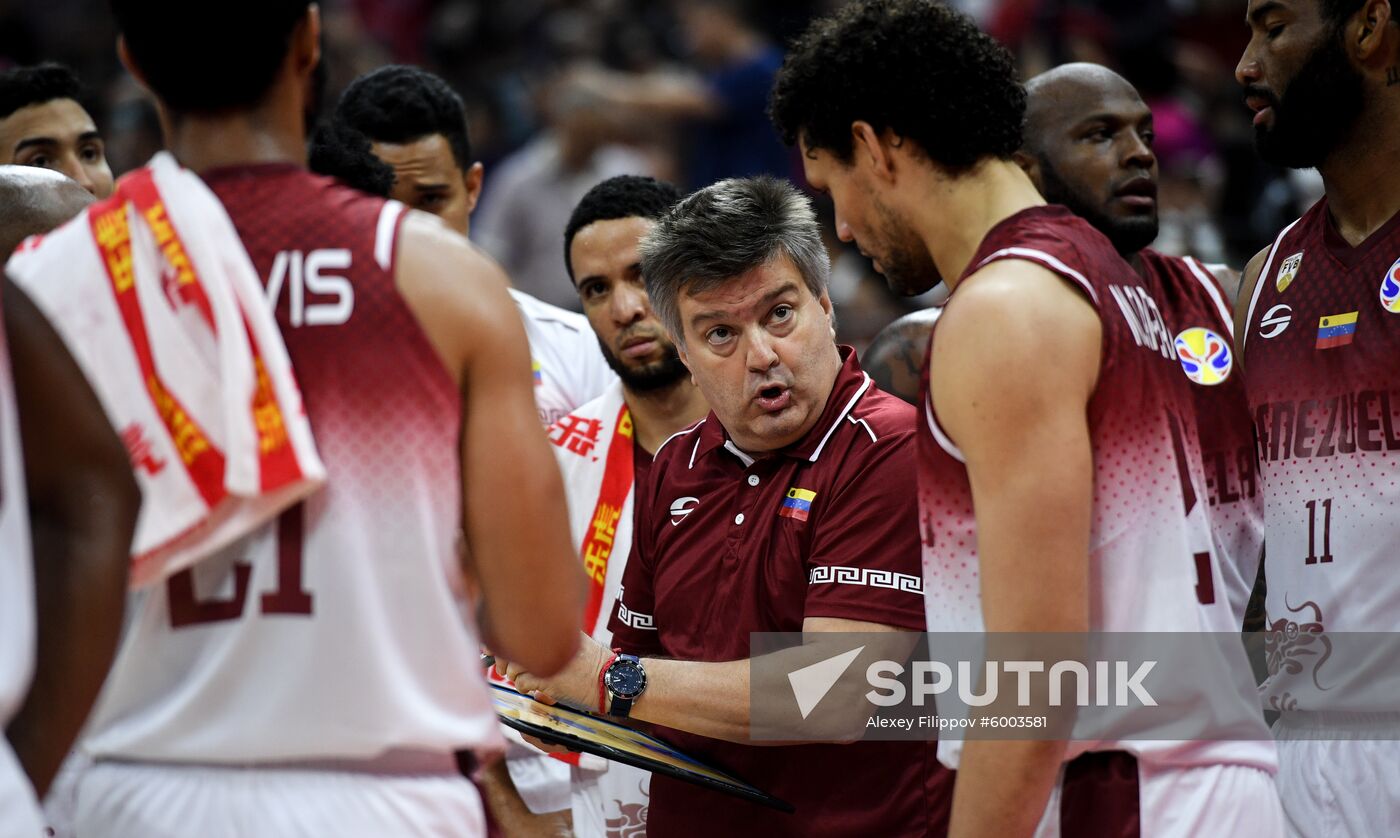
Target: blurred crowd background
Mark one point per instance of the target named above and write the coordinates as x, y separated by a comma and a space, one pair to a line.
563, 93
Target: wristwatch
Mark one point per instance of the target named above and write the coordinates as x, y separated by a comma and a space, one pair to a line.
625, 680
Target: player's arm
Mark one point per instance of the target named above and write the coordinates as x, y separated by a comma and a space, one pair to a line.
1015, 361
1248, 280
895, 358
83, 502
706, 698
514, 521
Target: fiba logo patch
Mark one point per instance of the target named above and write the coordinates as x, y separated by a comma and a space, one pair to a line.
1390, 289
1287, 271
1204, 355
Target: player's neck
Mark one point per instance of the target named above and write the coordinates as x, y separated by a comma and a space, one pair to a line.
274, 132
1362, 179
967, 208
659, 414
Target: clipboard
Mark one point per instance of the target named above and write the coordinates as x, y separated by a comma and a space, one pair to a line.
579, 731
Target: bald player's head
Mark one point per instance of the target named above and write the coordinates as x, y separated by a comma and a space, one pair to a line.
1088, 145
34, 201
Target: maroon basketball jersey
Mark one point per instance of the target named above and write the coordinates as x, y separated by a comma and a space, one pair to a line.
1198, 314
1151, 566
337, 631
1322, 361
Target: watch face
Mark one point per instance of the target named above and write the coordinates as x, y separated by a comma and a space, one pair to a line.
626, 678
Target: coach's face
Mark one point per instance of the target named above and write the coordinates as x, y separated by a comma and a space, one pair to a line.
762, 350
864, 217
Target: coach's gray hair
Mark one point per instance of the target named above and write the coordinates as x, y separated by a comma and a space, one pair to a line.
725, 230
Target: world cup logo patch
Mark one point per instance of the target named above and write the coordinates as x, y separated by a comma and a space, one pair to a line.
1204, 355
1390, 289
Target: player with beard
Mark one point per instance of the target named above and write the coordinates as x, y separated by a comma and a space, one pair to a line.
605, 447
1051, 390
1320, 336
1088, 146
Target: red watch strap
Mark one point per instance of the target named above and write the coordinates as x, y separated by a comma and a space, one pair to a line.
602, 682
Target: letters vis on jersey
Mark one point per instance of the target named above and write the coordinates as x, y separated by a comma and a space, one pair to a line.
311, 273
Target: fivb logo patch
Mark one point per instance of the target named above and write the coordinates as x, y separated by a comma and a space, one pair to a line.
1288, 271
1204, 355
1390, 289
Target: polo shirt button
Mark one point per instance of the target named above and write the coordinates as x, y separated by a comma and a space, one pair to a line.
739, 519
753, 479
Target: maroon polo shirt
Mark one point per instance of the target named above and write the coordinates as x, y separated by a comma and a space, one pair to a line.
719, 551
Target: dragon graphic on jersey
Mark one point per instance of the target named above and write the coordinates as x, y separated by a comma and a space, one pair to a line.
1204, 355
1287, 645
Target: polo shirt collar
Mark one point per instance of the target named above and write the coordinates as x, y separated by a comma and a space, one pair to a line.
851, 384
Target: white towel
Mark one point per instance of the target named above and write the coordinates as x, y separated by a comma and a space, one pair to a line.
160, 304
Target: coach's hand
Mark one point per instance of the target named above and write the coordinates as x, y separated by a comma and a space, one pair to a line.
577, 683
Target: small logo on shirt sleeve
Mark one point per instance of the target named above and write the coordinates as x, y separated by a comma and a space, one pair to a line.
797, 504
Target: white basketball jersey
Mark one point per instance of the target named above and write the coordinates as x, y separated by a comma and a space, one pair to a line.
339, 630
568, 366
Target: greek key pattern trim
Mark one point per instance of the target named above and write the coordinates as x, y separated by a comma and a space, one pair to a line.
869, 577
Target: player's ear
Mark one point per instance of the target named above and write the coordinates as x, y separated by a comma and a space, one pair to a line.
1372, 25
471, 181
873, 148
1029, 164
306, 40
124, 55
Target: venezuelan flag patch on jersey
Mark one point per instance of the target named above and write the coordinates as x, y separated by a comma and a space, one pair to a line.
538, 372
1336, 330
1204, 355
797, 503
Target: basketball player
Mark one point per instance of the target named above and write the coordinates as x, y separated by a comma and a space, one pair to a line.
316, 678
1319, 326
66, 489
43, 124
1088, 145
1049, 393
417, 126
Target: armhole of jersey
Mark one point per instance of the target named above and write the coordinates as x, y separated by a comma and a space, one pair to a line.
1050, 263
1259, 282
1071, 277
386, 235
930, 418
1217, 294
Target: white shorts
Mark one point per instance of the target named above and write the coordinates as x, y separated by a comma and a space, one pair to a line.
19, 808
1211, 801
122, 799
1346, 785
